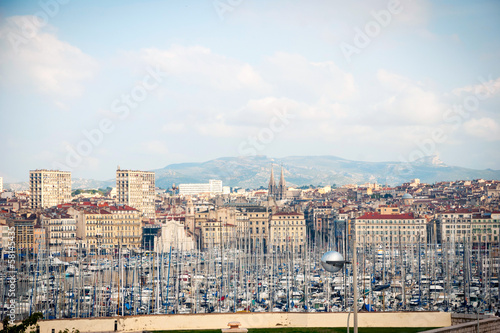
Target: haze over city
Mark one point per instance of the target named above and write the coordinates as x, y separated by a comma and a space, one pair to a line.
86, 86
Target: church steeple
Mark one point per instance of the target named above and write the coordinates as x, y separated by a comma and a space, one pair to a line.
282, 186
272, 189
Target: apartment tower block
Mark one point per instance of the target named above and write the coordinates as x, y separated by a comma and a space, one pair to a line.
49, 188
137, 189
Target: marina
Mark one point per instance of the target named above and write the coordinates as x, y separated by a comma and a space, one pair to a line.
236, 277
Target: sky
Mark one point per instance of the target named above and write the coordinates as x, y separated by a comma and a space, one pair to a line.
86, 86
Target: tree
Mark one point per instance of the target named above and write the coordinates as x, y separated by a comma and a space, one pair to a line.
23, 326
76, 192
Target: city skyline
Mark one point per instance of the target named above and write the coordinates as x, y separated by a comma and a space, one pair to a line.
87, 86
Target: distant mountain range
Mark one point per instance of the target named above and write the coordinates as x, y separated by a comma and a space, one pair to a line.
254, 171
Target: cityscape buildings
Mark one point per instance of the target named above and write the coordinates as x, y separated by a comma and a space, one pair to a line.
107, 228
287, 232
49, 188
137, 189
273, 235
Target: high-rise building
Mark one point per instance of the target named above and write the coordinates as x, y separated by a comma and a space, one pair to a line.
1, 184
49, 188
137, 189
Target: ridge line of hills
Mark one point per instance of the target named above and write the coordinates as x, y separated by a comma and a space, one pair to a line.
254, 172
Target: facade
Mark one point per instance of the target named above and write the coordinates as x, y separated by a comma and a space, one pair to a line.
173, 236
212, 187
466, 226
108, 228
486, 228
216, 233
39, 239
456, 226
390, 229
1, 184
137, 189
4, 229
321, 218
60, 231
150, 234
287, 232
388, 210
24, 236
216, 226
49, 188
253, 225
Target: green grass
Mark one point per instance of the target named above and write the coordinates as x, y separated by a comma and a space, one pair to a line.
317, 330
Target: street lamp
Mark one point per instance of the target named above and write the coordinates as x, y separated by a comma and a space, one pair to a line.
333, 261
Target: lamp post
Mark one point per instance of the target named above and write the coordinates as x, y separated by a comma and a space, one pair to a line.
333, 261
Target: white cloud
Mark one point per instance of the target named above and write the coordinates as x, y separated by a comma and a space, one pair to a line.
304, 79
42, 60
259, 112
484, 128
483, 90
199, 65
408, 102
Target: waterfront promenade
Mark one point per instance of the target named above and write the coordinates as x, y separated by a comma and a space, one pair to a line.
247, 320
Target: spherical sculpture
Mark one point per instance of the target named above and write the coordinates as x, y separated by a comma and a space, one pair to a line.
332, 261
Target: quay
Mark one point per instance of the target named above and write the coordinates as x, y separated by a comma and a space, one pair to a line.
141, 323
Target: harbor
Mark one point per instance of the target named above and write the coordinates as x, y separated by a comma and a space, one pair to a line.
235, 277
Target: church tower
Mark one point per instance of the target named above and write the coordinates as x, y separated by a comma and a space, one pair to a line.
272, 189
282, 187
189, 218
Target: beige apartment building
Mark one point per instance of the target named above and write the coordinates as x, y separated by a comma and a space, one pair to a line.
60, 230
24, 235
137, 189
466, 226
287, 232
107, 228
215, 226
49, 188
215, 233
456, 226
486, 228
390, 229
253, 224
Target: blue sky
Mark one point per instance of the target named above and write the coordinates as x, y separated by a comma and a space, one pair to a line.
89, 85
